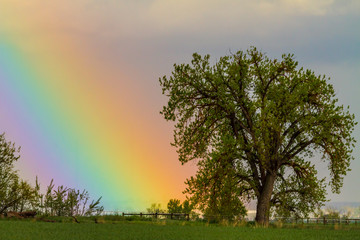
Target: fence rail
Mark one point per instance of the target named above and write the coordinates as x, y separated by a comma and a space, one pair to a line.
322, 220
155, 215
186, 216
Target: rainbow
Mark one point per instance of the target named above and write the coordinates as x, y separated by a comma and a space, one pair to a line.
74, 127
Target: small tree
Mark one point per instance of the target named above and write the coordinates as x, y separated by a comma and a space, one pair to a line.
174, 206
65, 201
187, 207
330, 212
155, 208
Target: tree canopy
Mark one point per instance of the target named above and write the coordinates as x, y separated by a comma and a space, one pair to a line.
269, 118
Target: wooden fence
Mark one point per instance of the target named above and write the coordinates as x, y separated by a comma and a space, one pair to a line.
155, 215
322, 220
186, 216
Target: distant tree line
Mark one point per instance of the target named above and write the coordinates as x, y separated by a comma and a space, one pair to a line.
18, 195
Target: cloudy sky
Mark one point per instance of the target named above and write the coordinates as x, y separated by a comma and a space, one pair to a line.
125, 46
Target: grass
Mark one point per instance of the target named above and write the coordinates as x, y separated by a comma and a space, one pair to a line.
166, 230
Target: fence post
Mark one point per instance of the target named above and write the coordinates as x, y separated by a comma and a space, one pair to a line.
141, 214
156, 215
187, 216
324, 220
123, 214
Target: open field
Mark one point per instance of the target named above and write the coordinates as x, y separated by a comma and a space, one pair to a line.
167, 230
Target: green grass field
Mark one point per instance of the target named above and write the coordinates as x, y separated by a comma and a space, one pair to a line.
166, 230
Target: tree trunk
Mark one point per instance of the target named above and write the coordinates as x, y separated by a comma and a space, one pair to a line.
263, 204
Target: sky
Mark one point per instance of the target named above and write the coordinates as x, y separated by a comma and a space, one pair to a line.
79, 89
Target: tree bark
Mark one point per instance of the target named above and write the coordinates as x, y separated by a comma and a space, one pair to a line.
263, 204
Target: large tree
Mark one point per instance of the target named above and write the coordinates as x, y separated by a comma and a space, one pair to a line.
271, 116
